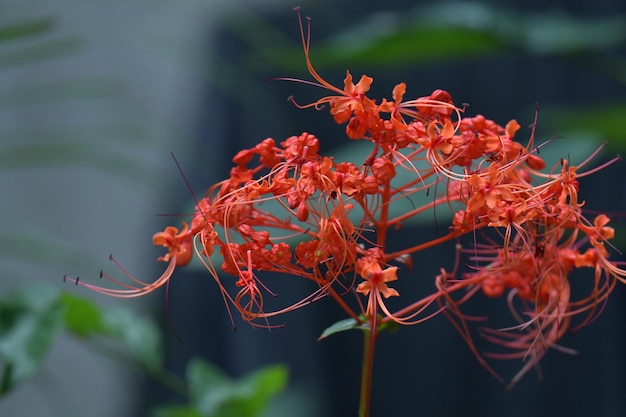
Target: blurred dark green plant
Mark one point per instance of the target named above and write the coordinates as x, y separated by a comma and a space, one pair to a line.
31, 318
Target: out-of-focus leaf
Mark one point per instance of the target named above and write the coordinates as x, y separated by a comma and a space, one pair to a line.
128, 134
264, 33
139, 335
389, 41
411, 45
26, 29
259, 387
216, 395
210, 389
560, 33
30, 319
31, 155
445, 31
40, 51
40, 249
56, 92
605, 121
570, 146
176, 411
82, 316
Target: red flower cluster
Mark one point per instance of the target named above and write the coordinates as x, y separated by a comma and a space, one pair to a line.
287, 209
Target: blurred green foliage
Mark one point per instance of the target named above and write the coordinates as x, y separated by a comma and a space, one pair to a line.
31, 318
29, 323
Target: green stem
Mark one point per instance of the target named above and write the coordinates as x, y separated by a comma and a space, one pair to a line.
168, 380
7, 376
369, 341
161, 375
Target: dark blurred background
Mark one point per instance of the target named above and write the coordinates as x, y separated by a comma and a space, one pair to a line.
195, 79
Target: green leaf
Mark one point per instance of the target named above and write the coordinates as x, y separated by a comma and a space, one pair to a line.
176, 411
139, 335
388, 40
561, 33
209, 387
412, 45
259, 387
342, 326
38, 248
215, 394
30, 320
351, 324
82, 317
439, 32
59, 91
36, 156
605, 121
136, 134
25, 30
571, 145
39, 52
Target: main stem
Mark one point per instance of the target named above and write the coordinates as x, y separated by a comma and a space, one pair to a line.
369, 341
370, 335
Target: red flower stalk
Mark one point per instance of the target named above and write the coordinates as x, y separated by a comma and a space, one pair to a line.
288, 210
